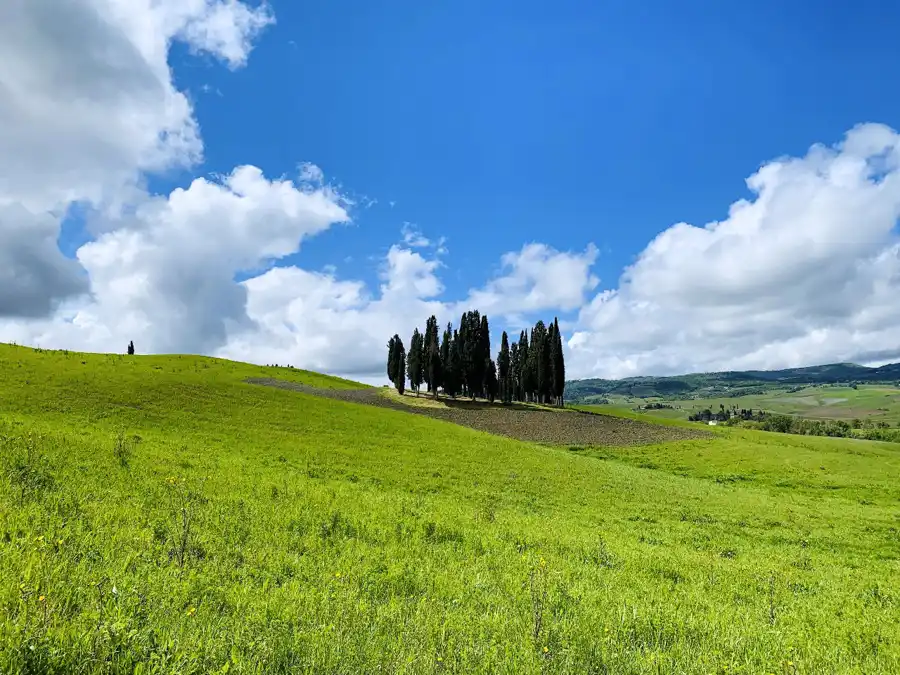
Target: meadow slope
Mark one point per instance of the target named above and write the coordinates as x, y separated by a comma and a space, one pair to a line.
161, 515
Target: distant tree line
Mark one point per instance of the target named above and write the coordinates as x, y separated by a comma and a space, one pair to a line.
457, 361
874, 430
724, 414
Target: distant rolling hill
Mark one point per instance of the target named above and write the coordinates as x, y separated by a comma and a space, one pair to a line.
729, 383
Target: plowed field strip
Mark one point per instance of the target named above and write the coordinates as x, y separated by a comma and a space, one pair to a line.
539, 426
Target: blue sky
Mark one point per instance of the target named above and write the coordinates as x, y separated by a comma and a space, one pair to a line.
547, 145
565, 123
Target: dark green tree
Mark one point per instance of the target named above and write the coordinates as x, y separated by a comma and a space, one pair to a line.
514, 370
484, 354
131, 347
448, 362
414, 365
490, 381
503, 369
463, 367
456, 358
399, 365
391, 360
524, 367
559, 365
430, 333
433, 356
474, 359
540, 349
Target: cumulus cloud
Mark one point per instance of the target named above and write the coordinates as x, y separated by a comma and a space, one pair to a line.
34, 275
805, 272
88, 106
167, 274
536, 278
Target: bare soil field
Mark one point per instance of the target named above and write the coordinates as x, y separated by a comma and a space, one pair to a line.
519, 422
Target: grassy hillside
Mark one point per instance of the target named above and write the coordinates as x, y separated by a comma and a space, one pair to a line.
160, 515
729, 383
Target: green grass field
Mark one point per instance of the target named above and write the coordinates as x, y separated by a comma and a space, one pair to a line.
159, 515
874, 402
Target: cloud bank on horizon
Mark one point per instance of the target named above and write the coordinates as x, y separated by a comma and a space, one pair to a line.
805, 272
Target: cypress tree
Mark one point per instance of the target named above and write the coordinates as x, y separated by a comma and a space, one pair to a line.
414, 365
392, 360
524, 367
559, 370
131, 347
490, 381
399, 352
474, 357
531, 368
503, 368
433, 356
553, 346
448, 362
514, 371
540, 349
462, 354
457, 365
430, 327
484, 353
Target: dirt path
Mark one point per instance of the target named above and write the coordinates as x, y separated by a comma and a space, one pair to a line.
524, 424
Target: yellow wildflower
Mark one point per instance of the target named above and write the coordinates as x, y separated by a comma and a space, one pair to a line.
192, 611
546, 650
41, 599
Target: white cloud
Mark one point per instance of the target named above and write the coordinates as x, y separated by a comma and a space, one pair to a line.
806, 272
538, 278
34, 274
165, 278
87, 106
413, 237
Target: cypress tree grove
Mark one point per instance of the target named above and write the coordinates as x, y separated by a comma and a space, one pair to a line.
503, 368
459, 362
